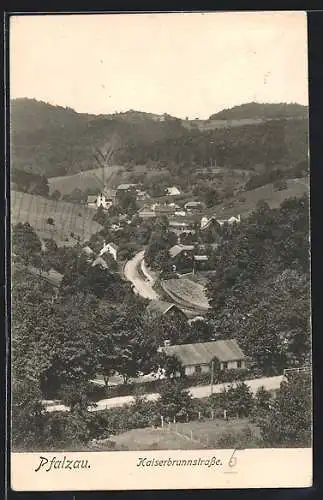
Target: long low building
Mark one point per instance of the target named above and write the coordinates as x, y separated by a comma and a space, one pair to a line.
197, 358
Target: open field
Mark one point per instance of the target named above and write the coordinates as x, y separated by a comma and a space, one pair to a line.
153, 439
93, 179
208, 432
68, 218
245, 202
89, 179
186, 293
185, 436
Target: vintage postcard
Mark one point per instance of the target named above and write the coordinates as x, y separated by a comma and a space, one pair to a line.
160, 251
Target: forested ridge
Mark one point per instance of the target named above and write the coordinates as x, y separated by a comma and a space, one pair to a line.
55, 141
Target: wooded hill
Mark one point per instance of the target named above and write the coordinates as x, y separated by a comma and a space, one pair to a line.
56, 141
262, 110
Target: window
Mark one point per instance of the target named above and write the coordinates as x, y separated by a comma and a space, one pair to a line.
198, 369
239, 364
225, 365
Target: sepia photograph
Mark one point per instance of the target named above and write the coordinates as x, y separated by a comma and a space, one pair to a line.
160, 245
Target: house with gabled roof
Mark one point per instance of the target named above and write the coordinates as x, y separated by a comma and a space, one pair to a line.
198, 358
99, 261
172, 191
180, 249
164, 308
110, 248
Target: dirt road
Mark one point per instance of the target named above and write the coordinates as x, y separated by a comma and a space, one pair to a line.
142, 286
269, 383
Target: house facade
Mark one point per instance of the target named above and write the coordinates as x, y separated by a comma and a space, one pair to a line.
172, 191
200, 357
180, 225
110, 248
105, 199
163, 308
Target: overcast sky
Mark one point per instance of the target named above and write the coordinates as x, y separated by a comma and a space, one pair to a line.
182, 64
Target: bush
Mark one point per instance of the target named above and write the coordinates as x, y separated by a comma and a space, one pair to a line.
288, 422
245, 438
280, 185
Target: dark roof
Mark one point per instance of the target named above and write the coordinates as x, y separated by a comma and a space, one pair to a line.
160, 306
205, 352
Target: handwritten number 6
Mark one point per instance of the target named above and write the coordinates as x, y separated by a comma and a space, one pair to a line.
233, 460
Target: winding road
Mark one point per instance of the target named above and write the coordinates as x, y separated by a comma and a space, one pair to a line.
142, 286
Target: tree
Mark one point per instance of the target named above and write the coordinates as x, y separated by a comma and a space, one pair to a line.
237, 400
211, 197
25, 242
200, 331
260, 294
175, 401
280, 185
28, 419
127, 202
240, 400
100, 216
76, 396
288, 422
50, 221
51, 246
263, 401
56, 195
170, 364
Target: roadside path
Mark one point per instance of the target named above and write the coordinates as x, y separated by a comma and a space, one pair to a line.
269, 383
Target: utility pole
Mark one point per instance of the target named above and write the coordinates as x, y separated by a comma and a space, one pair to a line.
212, 375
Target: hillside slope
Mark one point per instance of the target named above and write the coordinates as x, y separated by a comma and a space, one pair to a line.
255, 110
57, 141
245, 202
67, 218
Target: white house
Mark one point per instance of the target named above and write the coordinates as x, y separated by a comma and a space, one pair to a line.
231, 220
142, 195
205, 221
172, 191
193, 205
111, 248
100, 200
234, 219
